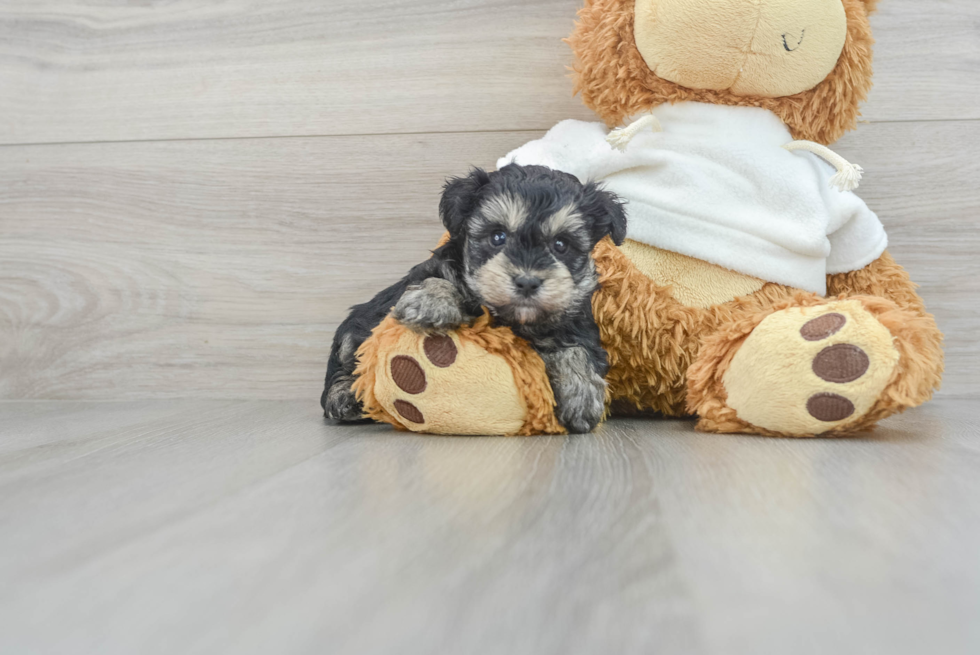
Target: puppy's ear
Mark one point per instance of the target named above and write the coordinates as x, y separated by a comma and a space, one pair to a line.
607, 213
460, 198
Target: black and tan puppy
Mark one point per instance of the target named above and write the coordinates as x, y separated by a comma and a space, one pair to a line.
520, 244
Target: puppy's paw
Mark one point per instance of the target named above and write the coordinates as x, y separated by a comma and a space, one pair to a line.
582, 407
433, 305
341, 404
579, 391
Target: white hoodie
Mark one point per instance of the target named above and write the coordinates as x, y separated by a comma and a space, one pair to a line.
717, 185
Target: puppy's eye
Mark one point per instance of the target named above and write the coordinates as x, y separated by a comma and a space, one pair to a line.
561, 245
498, 239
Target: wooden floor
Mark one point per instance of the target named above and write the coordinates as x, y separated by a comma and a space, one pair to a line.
192, 192
251, 527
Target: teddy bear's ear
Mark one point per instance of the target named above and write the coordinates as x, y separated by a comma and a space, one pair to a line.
459, 199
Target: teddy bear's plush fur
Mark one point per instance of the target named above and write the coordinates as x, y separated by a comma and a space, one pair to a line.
766, 359
669, 358
616, 83
672, 358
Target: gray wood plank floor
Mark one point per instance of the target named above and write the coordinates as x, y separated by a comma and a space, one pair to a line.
252, 527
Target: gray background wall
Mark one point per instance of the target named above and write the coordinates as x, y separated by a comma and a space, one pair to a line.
191, 193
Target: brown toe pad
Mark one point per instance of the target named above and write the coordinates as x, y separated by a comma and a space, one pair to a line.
441, 351
409, 412
408, 375
823, 327
842, 363
829, 407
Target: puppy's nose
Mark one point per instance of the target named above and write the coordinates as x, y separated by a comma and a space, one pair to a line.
527, 285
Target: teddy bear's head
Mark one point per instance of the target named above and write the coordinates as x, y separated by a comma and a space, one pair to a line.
808, 61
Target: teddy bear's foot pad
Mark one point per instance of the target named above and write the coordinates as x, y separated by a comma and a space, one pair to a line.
439, 384
841, 364
811, 370
409, 376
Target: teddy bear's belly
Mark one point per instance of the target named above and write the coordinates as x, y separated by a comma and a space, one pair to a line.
693, 282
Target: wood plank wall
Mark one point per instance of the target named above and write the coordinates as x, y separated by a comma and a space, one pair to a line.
192, 192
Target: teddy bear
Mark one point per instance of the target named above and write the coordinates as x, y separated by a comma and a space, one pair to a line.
755, 292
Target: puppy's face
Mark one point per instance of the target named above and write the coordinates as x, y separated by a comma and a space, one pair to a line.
527, 264
528, 241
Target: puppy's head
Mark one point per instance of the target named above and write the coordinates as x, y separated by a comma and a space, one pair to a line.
527, 234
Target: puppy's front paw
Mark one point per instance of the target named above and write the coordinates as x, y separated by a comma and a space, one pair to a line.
582, 407
579, 391
341, 404
433, 305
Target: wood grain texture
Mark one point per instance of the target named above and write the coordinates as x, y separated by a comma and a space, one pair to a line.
251, 527
929, 201
216, 268
103, 70
220, 268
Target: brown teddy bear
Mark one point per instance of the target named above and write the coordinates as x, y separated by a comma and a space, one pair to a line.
755, 291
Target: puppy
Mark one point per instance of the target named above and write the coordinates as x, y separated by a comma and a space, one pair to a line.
520, 244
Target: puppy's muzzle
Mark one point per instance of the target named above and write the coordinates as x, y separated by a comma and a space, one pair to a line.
527, 285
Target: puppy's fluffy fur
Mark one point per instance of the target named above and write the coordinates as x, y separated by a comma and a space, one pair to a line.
520, 245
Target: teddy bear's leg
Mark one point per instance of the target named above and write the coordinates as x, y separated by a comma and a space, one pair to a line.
476, 380
918, 338
812, 366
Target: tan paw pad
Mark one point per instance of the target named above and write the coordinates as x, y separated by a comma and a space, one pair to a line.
809, 370
441, 385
